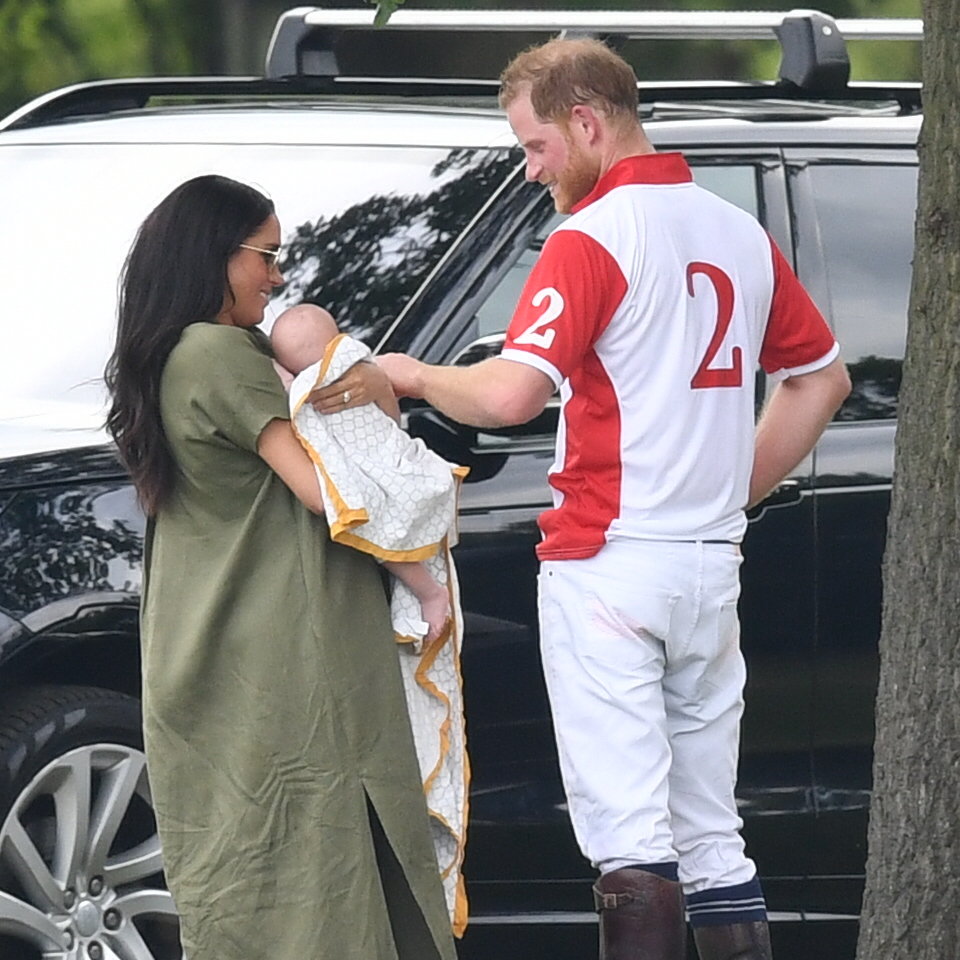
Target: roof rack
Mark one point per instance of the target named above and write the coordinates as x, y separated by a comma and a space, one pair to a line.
316, 41
101, 97
308, 43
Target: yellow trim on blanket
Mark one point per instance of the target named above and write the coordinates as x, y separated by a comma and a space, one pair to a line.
429, 655
358, 543
426, 662
382, 553
328, 356
346, 517
321, 373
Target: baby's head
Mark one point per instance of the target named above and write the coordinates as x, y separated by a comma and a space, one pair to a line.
300, 336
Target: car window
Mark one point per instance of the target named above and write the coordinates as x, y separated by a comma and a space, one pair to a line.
865, 215
361, 228
496, 311
738, 184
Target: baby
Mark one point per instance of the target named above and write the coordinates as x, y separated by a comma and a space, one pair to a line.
300, 337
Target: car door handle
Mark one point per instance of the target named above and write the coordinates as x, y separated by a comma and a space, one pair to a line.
788, 491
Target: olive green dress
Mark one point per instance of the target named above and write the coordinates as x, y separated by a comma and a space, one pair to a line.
274, 713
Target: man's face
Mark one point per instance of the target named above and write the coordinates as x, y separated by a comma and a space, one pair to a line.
557, 155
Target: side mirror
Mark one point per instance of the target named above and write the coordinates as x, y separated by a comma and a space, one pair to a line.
453, 441
483, 450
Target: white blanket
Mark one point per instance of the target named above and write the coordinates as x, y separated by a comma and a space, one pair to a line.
389, 495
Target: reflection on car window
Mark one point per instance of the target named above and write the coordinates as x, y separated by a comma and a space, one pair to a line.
865, 216
738, 184
365, 261
362, 227
497, 310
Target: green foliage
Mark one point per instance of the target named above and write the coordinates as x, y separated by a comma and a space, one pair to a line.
385, 9
46, 44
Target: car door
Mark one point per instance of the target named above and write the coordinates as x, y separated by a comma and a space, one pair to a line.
856, 211
522, 854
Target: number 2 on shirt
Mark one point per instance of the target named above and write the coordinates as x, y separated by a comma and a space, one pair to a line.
707, 376
533, 334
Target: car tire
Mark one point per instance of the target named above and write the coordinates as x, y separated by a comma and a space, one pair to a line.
80, 865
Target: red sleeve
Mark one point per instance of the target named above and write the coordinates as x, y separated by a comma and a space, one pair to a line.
569, 298
797, 335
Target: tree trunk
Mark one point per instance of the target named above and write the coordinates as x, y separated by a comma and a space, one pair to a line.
913, 868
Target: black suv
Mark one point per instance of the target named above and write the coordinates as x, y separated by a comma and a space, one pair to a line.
405, 211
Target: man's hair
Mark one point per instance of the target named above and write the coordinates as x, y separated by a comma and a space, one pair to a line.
561, 74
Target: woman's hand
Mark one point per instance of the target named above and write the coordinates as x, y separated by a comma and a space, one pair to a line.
363, 383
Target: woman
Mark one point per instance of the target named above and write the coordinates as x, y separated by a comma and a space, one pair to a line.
281, 761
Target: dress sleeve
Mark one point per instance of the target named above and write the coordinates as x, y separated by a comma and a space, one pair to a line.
233, 389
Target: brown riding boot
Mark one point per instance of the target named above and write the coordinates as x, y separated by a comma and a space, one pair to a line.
734, 941
641, 916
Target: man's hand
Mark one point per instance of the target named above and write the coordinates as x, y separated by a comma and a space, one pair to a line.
405, 374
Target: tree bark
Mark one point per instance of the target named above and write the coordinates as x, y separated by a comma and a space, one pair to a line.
913, 868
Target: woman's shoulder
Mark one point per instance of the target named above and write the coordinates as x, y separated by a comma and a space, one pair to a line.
205, 333
224, 372
207, 342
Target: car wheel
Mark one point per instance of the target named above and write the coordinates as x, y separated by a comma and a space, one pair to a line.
80, 868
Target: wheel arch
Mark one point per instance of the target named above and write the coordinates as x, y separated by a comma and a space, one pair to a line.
88, 640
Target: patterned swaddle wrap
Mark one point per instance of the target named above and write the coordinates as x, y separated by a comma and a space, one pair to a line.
389, 495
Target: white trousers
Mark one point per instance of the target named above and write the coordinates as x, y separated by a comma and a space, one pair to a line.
641, 654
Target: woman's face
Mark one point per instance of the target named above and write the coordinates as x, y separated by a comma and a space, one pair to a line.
251, 277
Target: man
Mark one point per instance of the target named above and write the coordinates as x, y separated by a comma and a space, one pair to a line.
649, 308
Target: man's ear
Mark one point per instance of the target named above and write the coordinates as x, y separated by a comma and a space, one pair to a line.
587, 121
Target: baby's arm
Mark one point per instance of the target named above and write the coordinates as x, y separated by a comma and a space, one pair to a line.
434, 598
286, 377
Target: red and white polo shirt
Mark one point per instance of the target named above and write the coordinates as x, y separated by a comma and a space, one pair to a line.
650, 308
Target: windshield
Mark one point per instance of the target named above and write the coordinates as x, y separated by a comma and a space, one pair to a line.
361, 226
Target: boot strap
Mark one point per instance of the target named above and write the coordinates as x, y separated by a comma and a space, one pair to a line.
610, 901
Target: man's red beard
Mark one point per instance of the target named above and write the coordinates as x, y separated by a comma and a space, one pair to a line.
576, 180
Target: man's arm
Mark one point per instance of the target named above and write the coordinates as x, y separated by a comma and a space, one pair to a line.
797, 413
492, 393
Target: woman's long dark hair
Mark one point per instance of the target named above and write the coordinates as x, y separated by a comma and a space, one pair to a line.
174, 275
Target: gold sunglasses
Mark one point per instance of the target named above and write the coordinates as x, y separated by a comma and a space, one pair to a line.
270, 257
